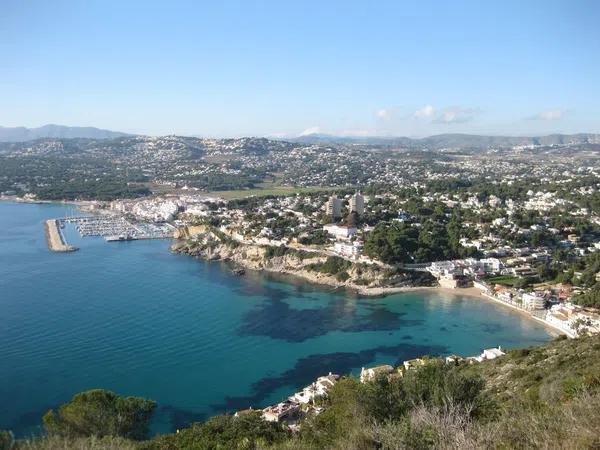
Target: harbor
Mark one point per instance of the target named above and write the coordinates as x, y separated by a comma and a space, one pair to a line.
111, 228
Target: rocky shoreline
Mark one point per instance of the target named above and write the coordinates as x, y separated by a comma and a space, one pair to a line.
315, 267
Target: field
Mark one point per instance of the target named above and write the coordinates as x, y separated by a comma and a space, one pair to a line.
504, 280
262, 192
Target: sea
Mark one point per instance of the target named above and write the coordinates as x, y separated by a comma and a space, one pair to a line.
136, 319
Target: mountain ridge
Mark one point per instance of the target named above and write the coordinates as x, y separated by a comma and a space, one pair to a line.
452, 140
23, 134
434, 142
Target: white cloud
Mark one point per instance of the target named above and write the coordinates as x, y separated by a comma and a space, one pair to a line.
384, 114
552, 114
446, 115
455, 115
425, 112
310, 130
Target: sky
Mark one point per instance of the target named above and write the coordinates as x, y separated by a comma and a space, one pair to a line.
285, 68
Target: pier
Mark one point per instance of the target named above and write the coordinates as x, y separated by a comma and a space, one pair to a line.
55, 239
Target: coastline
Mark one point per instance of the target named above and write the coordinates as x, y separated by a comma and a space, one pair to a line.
253, 257
474, 292
375, 292
531, 316
57, 244
16, 199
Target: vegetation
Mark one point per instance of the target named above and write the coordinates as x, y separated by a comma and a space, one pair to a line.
223, 432
6, 440
504, 280
333, 265
538, 397
101, 413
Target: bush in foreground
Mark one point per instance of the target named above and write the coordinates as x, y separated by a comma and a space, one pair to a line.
101, 413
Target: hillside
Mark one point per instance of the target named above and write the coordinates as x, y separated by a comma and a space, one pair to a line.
540, 397
454, 140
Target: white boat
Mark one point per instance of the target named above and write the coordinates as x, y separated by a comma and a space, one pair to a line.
119, 238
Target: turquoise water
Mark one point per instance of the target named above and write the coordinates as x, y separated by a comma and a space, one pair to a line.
136, 319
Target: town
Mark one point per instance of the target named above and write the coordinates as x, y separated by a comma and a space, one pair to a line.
531, 244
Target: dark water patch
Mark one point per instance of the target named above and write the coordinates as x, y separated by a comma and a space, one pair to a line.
180, 418
492, 328
253, 286
311, 367
443, 329
30, 423
407, 337
277, 320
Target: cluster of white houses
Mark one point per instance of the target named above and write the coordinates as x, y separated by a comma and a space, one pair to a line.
369, 374
291, 410
346, 242
551, 306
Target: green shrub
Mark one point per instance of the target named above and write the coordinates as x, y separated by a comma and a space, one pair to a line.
101, 413
342, 276
6, 440
222, 432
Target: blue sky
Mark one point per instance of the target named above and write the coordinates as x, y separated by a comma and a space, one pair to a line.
224, 68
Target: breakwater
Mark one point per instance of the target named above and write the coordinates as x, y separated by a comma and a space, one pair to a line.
55, 239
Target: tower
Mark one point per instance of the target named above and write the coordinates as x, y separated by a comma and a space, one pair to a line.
334, 207
357, 203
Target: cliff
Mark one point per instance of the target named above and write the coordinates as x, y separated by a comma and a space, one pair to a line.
315, 267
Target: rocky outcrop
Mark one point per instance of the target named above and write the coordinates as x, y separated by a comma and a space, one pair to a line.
367, 279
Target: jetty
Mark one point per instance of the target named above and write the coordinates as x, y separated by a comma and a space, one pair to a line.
55, 239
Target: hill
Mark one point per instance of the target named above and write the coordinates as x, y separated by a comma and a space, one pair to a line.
22, 134
461, 141
541, 397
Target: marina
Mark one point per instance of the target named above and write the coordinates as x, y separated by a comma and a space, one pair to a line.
114, 227
111, 228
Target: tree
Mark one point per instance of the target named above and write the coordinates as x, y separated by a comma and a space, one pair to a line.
6, 440
101, 413
223, 432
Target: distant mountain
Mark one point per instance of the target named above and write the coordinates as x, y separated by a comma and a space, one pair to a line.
21, 134
452, 140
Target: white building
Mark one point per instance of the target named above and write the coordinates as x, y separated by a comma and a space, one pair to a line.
533, 300
340, 231
333, 207
357, 203
438, 268
317, 389
492, 353
353, 249
373, 372
487, 265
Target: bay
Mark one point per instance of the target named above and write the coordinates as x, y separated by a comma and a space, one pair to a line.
136, 319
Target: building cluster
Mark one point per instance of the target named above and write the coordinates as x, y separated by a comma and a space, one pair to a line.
154, 209
298, 405
369, 374
551, 305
